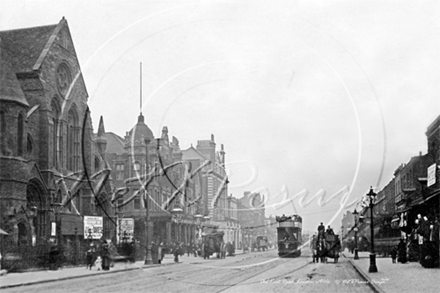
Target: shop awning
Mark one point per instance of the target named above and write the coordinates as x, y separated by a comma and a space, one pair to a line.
2, 232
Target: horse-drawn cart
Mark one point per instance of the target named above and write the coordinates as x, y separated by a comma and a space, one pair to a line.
326, 246
212, 243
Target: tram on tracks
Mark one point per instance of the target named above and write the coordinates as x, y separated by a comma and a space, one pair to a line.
289, 235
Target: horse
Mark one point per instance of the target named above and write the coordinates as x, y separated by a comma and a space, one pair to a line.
322, 250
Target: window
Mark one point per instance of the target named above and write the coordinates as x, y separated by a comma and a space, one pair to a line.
120, 203
20, 127
119, 171
72, 141
59, 197
137, 203
56, 134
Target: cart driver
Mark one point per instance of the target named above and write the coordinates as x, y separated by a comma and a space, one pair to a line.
329, 231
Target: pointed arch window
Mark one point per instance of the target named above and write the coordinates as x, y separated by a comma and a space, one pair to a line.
20, 129
72, 141
57, 138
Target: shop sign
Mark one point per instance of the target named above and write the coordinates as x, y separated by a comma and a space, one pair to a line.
93, 227
431, 174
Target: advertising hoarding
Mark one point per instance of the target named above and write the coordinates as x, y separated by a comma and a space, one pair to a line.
93, 227
125, 229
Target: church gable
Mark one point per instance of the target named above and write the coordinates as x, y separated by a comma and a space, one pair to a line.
60, 69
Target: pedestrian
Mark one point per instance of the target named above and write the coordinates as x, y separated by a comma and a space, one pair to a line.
188, 249
90, 254
176, 253
105, 256
161, 252
401, 252
394, 254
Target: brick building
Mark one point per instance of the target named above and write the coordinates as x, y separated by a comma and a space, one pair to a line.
51, 170
414, 191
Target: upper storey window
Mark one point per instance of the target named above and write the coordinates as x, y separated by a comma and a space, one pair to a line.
72, 141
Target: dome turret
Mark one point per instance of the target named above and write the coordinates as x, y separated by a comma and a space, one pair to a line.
140, 132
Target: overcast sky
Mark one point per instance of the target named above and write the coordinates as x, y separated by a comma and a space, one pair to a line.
320, 96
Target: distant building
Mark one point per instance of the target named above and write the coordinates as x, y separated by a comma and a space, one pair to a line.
252, 216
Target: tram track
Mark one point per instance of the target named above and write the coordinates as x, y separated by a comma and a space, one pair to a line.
243, 281
237, 274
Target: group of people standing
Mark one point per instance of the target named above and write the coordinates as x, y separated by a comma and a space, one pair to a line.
399, 252
102, 252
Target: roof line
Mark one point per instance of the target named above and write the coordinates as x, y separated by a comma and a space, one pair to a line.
25, 28
197, 152
48, 45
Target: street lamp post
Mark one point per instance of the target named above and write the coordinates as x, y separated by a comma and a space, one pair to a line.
355, 229
373, 268
148, 258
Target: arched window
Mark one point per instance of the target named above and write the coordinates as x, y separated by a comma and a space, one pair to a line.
72, 140
59, 197
57, 138
20, 126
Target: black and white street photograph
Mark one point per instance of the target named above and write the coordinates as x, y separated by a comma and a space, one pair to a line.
219, 146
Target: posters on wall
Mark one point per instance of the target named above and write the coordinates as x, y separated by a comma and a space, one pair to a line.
125, 229
93, 227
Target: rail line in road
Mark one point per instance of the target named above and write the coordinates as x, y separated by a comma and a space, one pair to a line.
243, 273
242, 281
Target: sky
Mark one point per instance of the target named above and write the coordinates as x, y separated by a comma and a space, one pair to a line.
309, 98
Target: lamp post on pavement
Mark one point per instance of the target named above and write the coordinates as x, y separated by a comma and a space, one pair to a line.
355, 229
148, 258
372, 269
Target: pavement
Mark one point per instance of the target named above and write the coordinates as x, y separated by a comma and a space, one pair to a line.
395, 277
67, 273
